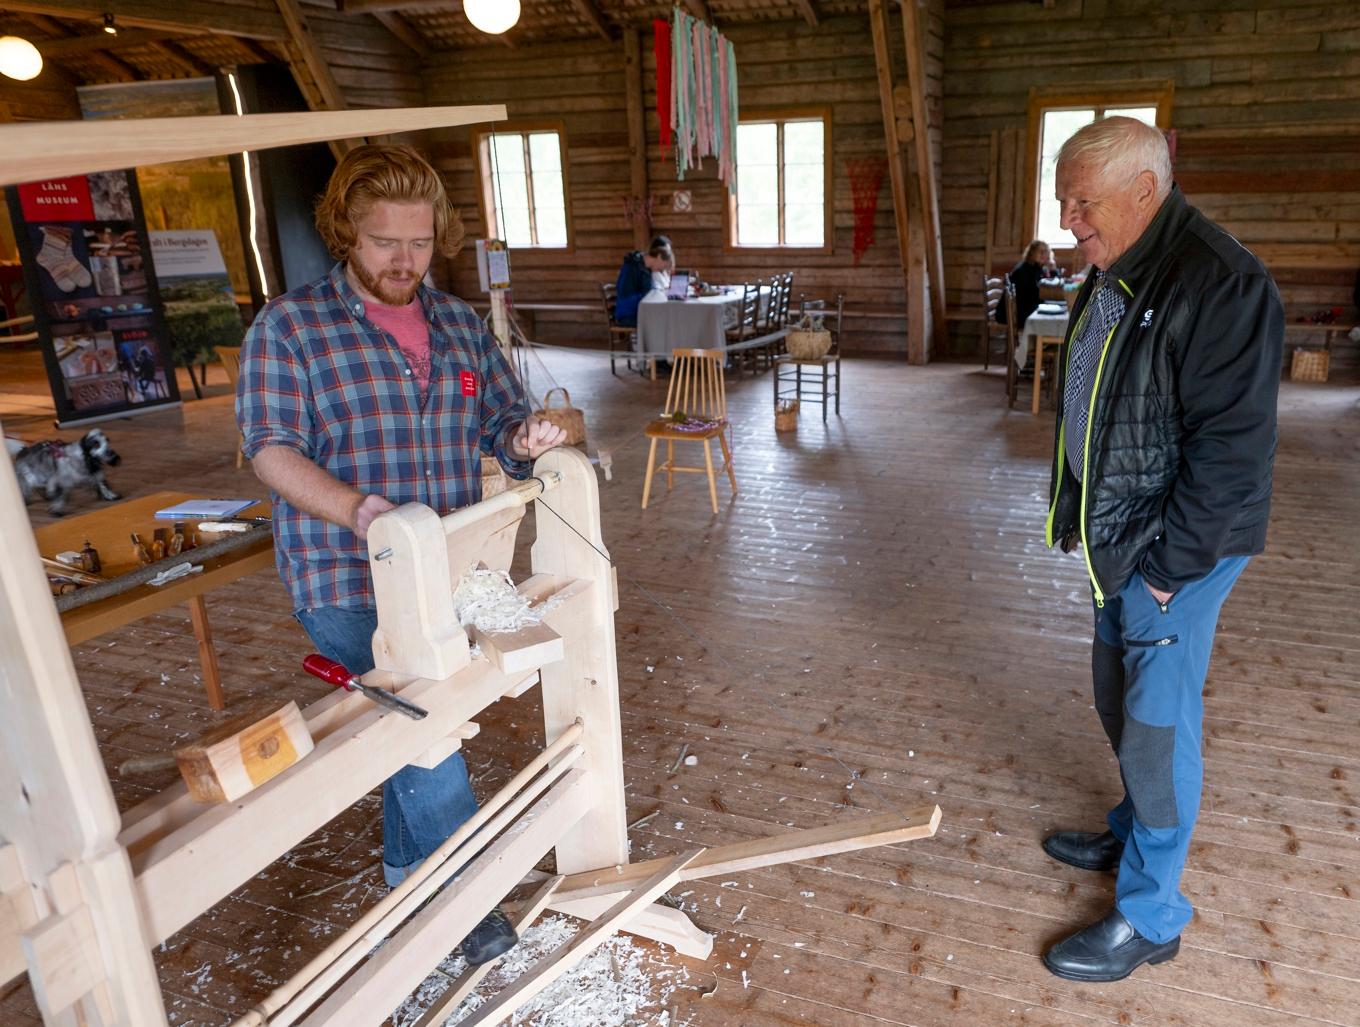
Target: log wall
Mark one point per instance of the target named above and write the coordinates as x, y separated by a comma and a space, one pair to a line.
1266, 109
581, 85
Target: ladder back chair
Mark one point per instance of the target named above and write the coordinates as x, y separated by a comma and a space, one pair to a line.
993, 332
697, 391
790, 371
617, 332
231, 363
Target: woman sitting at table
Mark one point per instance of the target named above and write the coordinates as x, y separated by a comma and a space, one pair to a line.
639, 275
1025, 277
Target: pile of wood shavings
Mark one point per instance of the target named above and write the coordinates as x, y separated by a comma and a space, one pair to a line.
487, 600
618, 985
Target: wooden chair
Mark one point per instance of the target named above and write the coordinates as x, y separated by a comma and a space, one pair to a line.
992, 331
697, 389
743, 326
617, 332
828, 365
231, 363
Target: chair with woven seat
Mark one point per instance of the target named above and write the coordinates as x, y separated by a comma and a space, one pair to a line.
697, 392
231, 363
617, 332
790, 370
995, 337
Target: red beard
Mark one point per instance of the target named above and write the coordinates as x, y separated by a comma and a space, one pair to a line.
378, 286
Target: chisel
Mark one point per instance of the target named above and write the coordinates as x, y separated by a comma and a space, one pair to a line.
338, 675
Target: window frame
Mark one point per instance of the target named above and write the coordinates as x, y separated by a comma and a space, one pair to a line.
486, 201
1159, 94
782, 115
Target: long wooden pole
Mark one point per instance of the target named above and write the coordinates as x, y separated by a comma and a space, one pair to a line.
312, 981
878, 23
914, 38
57, 149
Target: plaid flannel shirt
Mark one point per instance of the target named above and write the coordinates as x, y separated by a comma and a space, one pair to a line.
317, 376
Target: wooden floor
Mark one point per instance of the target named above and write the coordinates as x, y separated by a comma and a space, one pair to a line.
878, 591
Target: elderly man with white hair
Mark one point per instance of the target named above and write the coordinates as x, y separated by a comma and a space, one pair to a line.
1162, 476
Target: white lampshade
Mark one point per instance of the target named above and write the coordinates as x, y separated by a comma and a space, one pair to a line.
20, 59
492, 16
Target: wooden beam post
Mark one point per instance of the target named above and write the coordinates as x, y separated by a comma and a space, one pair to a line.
401, 28
808, 9
637, 130
196, 16
591, 13
310, 70
878, 23
914, 38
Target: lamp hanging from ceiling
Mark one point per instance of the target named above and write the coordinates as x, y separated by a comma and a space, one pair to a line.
492, 16
19, 59
109, 25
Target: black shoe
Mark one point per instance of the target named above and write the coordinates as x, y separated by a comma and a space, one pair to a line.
1108, 950
493, 937
1085, 850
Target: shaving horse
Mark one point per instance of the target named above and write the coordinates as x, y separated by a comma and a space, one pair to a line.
86, 894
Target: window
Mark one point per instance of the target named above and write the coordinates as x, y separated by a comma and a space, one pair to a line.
782, 178
1054, 119
524, 188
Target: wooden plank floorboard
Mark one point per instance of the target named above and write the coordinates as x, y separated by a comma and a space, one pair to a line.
878, 588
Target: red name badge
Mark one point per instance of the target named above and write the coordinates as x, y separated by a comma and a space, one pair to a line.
469, 382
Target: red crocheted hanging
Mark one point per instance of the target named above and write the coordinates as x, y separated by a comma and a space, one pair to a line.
866, 176
661, 47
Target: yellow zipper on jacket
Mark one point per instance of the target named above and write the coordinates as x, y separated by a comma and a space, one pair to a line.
1086, 447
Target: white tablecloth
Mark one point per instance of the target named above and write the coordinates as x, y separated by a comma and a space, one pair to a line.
1048, 325
665, 325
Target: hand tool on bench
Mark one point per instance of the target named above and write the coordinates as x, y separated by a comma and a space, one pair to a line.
339, 675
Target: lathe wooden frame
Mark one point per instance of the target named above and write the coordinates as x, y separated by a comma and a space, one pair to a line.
85, 894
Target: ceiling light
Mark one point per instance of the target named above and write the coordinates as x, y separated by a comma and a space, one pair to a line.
492, 16
109, 26
19, 58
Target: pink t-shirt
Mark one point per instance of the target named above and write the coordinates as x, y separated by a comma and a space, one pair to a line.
408, 326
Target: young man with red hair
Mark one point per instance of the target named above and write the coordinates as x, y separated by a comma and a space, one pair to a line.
364, 390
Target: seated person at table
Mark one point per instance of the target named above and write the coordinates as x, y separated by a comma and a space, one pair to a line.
1025, 277
638, 276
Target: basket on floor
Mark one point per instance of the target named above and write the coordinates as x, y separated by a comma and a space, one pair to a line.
567, 417
807, 345
786, 415
1310, 365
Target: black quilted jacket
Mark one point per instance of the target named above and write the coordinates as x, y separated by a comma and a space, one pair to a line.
1181, 440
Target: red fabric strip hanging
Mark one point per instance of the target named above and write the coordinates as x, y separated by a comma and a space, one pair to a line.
661, 48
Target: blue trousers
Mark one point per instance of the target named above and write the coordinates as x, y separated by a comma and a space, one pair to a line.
421, 808
1148, 664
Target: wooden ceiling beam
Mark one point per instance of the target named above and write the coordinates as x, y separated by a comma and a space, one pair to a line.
375, 6
183, 58
185, 15
118, 70
101, 40
591, 13
405, 33
808, 9
311, 71
56, 149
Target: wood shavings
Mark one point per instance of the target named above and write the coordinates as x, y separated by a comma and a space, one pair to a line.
618, 985
487, 600
684, 751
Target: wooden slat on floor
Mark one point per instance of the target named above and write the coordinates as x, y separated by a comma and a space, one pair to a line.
878, 590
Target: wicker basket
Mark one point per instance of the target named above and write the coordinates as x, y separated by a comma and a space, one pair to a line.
566, 417
786, 415
1309, 365
494, 480
805, 345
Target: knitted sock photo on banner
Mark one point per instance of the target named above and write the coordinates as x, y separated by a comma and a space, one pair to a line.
59, 262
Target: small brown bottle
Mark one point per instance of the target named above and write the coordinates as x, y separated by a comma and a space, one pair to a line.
139, 549
89, 558
176, 543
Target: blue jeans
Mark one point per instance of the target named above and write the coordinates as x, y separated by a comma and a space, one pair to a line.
421, 808
1148, 666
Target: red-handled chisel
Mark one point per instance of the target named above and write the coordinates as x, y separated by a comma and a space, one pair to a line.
338, 675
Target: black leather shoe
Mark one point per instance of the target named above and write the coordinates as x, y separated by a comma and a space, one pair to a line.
1108, 950
493, 937
1085, 850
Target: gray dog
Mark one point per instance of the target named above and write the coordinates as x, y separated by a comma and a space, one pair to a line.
53, 468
